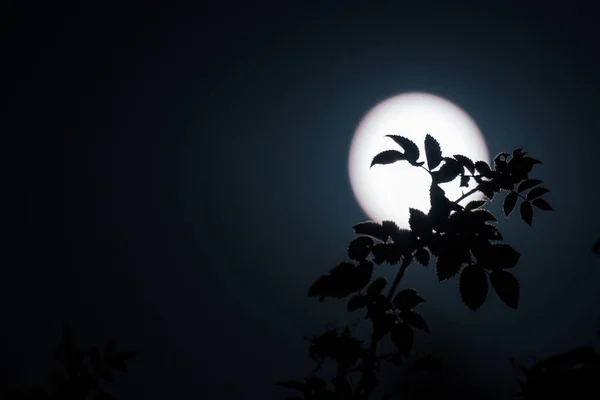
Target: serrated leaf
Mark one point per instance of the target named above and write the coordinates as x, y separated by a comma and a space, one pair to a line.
447, 267
509, 202
474, 204
370, 228
432, 152
407, 299
422, 257
380, 253
387, 157
536, 192
500, 158
528, 184
390, 228
483, 168
507, 287
526, 212
447, 172
415, 320
411, 150
357, 301
344, 279
542, 204
360, 248
473, 286
418, 222
482, 216
453, 253
464, 180
376, 287
382, 325
465, 162
403, 338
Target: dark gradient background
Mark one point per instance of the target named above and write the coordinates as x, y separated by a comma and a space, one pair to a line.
178, 178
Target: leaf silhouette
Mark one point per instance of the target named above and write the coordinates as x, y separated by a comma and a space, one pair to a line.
453, 253
372, 229
376, 287
507, 287
473, 286
449, 263
360, 248
542, 204
526, 212
418, 221
414, 320
464, 180
407, 299
465, 162
411, 150
391, 229
474, 204
447, 172
536, 192
528, 184
343, 280
432, 152
509, 202
503, 256
483, 168
422, 257
387, 157
380, 253
482, 216
500, 159
403, 337
357, 301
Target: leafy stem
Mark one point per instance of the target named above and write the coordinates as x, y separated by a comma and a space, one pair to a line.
405, 263
465, 244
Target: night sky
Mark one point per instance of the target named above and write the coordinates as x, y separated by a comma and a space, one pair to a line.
178, 178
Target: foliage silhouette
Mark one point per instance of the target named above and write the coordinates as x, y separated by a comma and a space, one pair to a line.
84, 372
464, 241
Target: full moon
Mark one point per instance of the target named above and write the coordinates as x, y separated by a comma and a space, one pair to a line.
386, 192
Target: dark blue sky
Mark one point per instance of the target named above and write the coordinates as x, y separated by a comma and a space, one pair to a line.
180, 179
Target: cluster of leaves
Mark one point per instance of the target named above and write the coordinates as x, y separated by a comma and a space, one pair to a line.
83, 371
464, 241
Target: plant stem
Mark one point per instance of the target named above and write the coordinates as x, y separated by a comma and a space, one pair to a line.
464, 196
405, 263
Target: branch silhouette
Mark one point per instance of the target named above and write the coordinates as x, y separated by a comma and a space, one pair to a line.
464, 241
84, 372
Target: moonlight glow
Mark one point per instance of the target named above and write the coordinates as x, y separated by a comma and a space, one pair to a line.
386, 192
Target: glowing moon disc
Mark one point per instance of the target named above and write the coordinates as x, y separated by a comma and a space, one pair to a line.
386, 192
